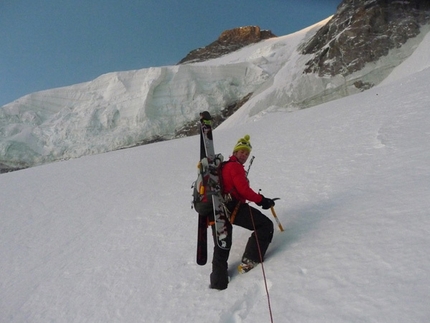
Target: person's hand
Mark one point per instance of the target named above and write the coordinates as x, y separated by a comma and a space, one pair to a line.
266, 203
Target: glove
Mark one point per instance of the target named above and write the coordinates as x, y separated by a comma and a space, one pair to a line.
266, 203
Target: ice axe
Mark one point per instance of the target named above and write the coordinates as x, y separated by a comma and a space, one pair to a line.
275, 216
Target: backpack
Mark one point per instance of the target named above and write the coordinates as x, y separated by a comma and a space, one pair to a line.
202, 201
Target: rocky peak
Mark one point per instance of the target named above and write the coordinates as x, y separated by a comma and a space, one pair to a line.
363, 31
229, 41
244, 35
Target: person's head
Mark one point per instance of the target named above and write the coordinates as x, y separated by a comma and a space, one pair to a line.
242, 149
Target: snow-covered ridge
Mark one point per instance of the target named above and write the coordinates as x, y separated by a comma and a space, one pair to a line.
117, 110
121, 109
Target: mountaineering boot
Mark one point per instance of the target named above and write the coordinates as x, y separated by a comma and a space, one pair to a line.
219, 280
246, 265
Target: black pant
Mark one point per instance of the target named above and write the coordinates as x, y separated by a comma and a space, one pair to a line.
249, 218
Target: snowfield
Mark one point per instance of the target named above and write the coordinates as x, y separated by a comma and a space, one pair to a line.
111, 237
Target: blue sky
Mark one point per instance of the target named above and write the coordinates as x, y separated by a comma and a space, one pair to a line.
53, 43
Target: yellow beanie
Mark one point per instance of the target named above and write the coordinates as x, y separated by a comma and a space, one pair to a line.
243, 143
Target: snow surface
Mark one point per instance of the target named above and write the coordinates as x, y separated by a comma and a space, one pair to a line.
111, 237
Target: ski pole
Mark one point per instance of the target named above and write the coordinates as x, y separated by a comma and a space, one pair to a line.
249, 167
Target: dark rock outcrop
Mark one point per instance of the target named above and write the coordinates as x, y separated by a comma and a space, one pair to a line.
363, 31
193, 127
229, 41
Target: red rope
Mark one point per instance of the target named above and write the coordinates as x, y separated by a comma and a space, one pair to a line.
262, 266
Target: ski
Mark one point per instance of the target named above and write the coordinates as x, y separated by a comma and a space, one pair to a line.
220, 217
203, 221
202, 240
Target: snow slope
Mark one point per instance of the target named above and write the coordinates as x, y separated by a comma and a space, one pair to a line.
111, 237
121, 109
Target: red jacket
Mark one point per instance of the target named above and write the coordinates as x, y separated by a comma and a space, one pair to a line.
236, 183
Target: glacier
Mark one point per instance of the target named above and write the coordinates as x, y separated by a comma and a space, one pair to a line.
125, 108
